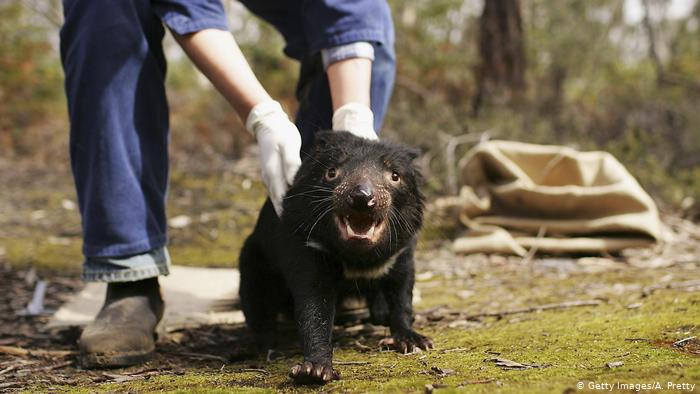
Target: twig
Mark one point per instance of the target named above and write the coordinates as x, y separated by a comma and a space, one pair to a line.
539, 308
47, 368
58, 366
413, 87
8, 369
15, 351
637, 339
451, 144
533, 250
204, 356
362, 348
459, 349
350, 362
489, 380
678, 285
683, 341
260, 370
21, 352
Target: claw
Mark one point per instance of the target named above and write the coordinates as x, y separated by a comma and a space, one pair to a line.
407, 342
311, 373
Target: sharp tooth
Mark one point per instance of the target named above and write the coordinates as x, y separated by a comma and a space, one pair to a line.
370, 232
349, 229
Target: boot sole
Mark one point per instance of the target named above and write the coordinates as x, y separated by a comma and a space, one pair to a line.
92, 360
351, 316
122, 359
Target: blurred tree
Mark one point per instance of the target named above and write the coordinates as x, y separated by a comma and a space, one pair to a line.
501, 48
590, 80
30, 81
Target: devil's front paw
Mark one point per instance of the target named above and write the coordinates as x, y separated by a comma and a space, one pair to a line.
310, 373
407, 342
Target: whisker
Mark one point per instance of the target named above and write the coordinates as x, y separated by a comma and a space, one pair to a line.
326, 212
308, 155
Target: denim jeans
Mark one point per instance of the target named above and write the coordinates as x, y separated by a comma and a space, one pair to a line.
115, 68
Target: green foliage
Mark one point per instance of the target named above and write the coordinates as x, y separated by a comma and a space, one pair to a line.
586, 86
31, 87
590, 83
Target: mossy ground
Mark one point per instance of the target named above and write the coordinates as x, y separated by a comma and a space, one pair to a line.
40, 224
571, 345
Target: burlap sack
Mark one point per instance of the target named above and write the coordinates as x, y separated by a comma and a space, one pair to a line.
519, 196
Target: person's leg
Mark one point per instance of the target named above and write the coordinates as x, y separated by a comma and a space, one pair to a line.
115, 70
115, 73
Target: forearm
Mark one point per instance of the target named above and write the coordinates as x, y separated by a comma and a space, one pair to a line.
218, 57
349, 81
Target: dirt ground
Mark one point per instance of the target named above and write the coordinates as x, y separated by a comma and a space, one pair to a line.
499, 323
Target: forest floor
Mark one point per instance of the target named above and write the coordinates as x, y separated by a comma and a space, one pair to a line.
499, 323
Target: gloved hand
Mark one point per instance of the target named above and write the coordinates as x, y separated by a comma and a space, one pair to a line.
356, 118
280, 145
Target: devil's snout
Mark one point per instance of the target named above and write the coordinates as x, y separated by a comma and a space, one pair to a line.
361, 197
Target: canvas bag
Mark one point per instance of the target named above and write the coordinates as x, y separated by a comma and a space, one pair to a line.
519, 196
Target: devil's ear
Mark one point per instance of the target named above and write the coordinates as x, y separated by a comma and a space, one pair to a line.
413, 153
324, 138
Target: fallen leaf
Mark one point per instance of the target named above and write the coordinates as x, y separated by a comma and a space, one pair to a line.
510, 364
683, 341
441, 372
615, 364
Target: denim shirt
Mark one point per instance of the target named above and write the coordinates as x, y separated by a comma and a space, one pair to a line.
306, 25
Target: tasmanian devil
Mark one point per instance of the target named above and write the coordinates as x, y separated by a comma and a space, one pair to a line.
350, 222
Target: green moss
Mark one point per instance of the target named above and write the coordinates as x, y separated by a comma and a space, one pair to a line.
223, 208
573, 345
45, 254
224, 212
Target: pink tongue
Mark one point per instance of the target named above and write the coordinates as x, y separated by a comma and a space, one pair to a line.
360, 225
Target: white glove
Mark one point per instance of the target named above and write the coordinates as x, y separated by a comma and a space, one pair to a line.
356, 118
280, 145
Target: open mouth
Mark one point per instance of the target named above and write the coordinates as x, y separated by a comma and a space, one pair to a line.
360, 227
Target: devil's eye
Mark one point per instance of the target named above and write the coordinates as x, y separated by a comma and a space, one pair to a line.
395, 176
331, 174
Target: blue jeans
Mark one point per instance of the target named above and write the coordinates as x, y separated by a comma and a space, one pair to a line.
115, 71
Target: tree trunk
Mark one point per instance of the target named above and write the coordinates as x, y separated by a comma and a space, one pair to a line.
651, 37
501, 70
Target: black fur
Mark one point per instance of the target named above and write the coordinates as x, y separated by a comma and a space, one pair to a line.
354, 205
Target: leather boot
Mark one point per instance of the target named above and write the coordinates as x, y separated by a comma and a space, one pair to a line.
351, 310
123, 333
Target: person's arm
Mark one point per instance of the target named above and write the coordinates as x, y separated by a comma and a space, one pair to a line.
349, 81
217, 56
349, 70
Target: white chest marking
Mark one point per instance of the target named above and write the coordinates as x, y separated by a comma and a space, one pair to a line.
374, 272
315, 245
